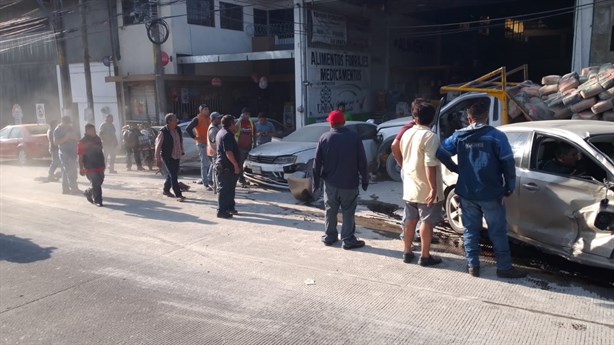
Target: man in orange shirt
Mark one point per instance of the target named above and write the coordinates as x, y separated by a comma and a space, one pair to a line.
197, 130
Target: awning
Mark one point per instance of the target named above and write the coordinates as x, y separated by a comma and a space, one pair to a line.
251, 56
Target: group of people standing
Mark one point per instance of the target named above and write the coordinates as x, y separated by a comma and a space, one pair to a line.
486, 175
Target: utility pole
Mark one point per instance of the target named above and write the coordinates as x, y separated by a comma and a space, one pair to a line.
86, 63
119, 87
158, 73
57, 23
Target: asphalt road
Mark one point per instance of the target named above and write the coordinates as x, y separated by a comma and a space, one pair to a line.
146, 269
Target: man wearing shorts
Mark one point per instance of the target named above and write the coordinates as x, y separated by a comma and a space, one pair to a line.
422, 184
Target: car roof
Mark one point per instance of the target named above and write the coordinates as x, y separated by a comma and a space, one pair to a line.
581, 128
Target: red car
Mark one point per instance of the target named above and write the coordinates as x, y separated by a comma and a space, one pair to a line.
24, 142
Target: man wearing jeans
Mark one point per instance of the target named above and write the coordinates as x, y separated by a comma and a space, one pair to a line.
66, 137
197, 130
339, 159
169, 149
486, 174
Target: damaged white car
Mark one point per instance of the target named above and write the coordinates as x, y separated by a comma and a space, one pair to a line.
571, 215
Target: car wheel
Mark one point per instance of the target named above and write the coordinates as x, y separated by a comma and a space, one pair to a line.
22, 157
453, 212
393, 169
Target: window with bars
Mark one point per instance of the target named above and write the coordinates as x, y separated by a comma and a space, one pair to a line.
137, 11
200, 12
231, 16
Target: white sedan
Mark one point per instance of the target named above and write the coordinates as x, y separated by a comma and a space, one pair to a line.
270, 164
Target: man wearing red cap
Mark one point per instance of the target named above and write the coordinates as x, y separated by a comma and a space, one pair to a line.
340, 158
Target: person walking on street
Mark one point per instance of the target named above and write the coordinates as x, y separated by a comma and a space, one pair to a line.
53, 151
339, 160
131, 136
486, 175
198, 129
169, 149
91, 164
66, 137
108, 136
227, 167
264, 130
422, 184
214, 128
245, 136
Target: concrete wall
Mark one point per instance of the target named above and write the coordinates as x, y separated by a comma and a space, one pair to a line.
104, 94
603, 20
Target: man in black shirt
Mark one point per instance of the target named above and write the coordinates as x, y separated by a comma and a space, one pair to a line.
339, 159
565, 161
227, 167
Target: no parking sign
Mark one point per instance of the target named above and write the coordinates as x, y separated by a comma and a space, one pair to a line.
41, 118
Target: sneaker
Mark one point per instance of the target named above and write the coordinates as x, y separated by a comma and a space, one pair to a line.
354, 245
207, 187
329, 242
99, 204
168, 193
408, 257
225, 215
181, 198
88, 196
233, 212
512, 273
474, 271
429, 261
199, 181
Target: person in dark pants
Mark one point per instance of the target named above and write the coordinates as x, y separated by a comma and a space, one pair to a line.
66, 137
339, 159
227, 167
54, 151
486, 175
169, 149
91, 163
131, 136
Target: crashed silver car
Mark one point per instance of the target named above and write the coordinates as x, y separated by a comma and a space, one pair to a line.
273, 163
569, 215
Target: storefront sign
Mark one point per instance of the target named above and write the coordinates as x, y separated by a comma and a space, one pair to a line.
335, 77
328, 28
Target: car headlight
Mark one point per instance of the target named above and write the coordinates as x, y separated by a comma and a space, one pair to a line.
285, 160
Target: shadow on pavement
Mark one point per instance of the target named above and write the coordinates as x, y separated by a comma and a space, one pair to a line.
150, 209
22, 250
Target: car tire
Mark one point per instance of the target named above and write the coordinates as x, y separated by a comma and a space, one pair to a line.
393, 169
22, 157
453, 212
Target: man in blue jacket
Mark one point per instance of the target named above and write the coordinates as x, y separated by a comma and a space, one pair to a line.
486, 174
339, 159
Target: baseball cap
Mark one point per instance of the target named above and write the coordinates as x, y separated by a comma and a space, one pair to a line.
335, 117
202, 106
215, 115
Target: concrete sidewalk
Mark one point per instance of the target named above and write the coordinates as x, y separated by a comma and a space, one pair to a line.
145, 269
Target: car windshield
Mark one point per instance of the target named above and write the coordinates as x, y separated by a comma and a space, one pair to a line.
308, 134
604, 143
37, 130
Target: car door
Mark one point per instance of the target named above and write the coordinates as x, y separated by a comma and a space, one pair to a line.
549, 206
14, 140
4, 138
520, 141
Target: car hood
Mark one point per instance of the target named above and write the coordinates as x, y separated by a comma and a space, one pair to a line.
282, 148
401, 121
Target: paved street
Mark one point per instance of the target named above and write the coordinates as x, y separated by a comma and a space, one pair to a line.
146, 269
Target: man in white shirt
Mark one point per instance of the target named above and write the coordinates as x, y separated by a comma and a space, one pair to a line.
422, 184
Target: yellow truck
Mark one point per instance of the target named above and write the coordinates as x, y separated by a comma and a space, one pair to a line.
493, 88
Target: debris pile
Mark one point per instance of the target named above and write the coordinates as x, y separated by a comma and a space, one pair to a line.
588, 96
